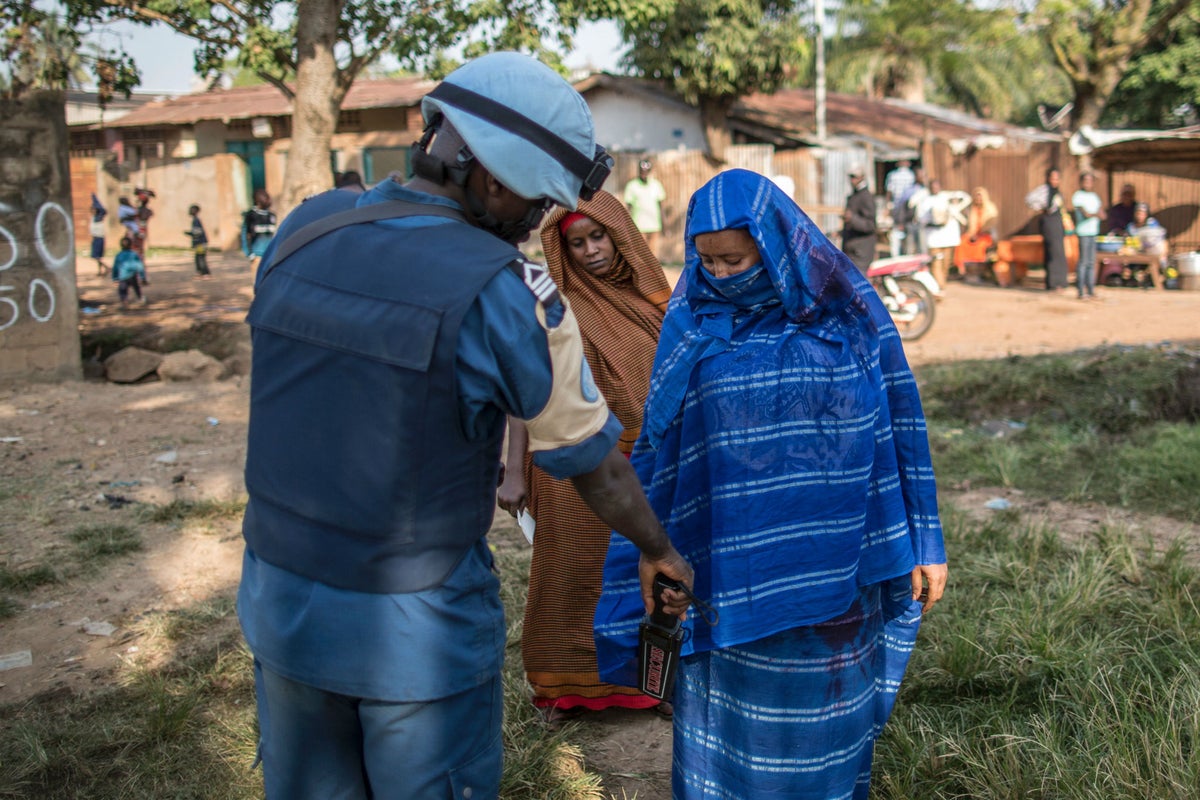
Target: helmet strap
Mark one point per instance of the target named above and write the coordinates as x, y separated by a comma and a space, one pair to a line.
432, 168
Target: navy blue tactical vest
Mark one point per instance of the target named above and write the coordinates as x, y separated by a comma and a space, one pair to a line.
358, 470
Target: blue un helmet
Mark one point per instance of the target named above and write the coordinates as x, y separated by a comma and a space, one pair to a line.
523, 123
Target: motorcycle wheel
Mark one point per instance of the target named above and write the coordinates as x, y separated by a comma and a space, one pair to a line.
914, 314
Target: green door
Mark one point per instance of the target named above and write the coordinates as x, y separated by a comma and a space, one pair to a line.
252, 153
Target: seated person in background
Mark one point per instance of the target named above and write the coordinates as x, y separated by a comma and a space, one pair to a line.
980, 235
1120, 214
1152, 240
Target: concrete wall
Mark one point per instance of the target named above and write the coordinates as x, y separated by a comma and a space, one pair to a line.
658, 126
216, 183
39, 310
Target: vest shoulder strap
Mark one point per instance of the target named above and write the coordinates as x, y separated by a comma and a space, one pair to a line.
536, 277
391, 209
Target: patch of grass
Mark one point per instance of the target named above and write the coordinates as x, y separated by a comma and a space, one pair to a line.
538, 762
1111, 390
178, 511
185, 731
100, 542
9, 607
25, 579
182, 624
1051, 671
1111, 426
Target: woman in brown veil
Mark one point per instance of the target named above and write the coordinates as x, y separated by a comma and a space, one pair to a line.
618, 293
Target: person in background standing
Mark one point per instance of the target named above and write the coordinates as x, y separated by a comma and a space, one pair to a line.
199, 242
898, 180
905, 208
127, 216
144, 213
128, 271
1120, 214
258, 227
858, 229
1087, 205
1050, 226
96, 229
940, 211
643, 197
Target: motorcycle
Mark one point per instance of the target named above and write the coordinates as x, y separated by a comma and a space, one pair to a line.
909, 292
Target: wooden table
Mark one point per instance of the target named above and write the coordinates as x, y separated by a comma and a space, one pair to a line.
1013, 257
1121, 260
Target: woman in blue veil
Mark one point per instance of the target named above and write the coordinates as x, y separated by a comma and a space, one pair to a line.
785, 450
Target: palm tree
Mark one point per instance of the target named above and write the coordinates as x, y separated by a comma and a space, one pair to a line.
946, 51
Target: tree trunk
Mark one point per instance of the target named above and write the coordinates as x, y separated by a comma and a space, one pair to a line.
714, 116
1091, 97
320, 91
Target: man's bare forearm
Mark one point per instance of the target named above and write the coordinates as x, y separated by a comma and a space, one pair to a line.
613, 491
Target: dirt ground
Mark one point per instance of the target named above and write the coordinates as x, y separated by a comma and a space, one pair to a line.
83, 453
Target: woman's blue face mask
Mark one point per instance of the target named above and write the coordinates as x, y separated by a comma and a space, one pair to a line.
752, 287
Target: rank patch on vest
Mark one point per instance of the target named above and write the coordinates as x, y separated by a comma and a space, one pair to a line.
537, 280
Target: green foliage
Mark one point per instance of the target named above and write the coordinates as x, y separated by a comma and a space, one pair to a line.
713, 49
260, 36
1095, 44
1162, 86
42, 50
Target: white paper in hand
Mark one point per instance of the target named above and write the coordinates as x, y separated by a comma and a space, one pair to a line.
527, 524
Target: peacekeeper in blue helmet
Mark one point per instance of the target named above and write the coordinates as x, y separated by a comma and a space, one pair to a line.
394, 331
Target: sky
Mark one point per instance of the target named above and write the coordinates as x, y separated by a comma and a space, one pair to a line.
165, 57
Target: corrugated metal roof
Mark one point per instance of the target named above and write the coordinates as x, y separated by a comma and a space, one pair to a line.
267, 101
894, 122
1110, 145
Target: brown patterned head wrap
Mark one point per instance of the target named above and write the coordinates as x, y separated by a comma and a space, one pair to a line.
620, 314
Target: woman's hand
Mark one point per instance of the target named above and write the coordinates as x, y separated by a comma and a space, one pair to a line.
929, 580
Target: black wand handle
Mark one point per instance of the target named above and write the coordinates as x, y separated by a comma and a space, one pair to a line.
659, 616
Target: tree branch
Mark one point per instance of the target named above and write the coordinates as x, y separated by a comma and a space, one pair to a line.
192, 31
279, 83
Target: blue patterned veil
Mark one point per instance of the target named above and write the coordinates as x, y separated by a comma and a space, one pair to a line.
774, 436
811, 276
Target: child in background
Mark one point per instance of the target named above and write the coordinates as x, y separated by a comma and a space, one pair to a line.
96, 229
258, 227
199, 243
128, 271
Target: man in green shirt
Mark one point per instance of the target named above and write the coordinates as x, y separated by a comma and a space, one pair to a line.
644, 196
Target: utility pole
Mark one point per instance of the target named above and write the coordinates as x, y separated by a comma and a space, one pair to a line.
819, 13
